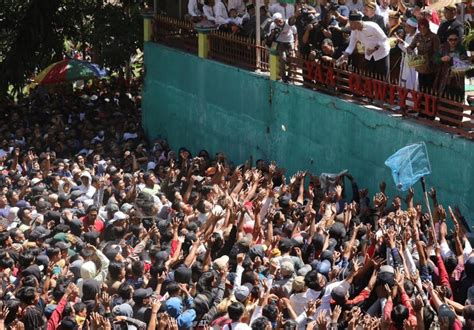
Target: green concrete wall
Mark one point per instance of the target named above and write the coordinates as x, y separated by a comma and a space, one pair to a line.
200, 104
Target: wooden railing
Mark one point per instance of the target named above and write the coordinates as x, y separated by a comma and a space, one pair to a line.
238, 50
425, 107
175, 33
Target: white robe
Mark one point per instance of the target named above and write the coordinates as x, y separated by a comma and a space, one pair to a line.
408, 76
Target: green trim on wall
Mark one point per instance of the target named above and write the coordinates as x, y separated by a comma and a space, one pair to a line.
202, 104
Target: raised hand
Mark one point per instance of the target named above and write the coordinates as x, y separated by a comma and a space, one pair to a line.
410, 194
380, 200
4, 313
321, 320
105, 299
418, 304
441, 212
336, 313
311, 308
354, 318
155, 305
272, 168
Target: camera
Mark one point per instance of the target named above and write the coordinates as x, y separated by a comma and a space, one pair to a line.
276, 30
333, 6
315, 54
307, 17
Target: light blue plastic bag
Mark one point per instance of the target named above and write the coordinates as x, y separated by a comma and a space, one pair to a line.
408, 165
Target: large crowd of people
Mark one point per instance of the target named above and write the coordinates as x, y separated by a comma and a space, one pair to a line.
406, 42
102, 229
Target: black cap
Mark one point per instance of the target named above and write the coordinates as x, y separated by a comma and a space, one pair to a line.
75, 194
39, 232
183, 275
62, 245
52, 215
339, 294
337, 230
355, 16
63, 197
285, 244
445, 311
91, 236
43, 205
141, 294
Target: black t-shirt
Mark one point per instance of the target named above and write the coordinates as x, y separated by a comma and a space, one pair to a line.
448, 26
376, 19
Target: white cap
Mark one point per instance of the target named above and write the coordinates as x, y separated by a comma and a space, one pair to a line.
35, 181
118, 216
151, 166
277, 16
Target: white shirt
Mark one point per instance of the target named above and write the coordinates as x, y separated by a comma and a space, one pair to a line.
299, 301
359, 5
287, 33
217, 14
286, 11
239, 5
326, 299
4, 153
408, 79
371, 36
237, 20
193, 8
237, 326
379, 10
88, 191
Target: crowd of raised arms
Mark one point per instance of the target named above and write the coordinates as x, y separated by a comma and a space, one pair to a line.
408, 43
102, 229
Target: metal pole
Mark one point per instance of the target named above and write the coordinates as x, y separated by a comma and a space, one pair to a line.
427, 202
155, 7
257, 32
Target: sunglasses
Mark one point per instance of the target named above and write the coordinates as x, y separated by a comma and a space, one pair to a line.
451, 39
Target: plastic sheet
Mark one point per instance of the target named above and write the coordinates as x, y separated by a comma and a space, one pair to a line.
408, 165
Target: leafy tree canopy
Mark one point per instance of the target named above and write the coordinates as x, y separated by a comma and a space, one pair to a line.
35, 33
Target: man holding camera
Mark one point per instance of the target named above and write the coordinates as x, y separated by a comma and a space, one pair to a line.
284, 35
374, 40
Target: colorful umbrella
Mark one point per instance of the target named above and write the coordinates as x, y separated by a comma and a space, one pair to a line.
69, 70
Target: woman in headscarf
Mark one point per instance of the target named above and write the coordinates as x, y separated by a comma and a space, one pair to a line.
427, 45
449, 79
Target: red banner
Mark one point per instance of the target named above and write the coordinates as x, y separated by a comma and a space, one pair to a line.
372, 88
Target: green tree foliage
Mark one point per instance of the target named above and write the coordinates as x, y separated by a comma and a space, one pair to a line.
35, 33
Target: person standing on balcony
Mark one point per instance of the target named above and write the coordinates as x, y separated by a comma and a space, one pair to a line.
284, 35
383, 10
451, 54
450, 24
194, 10
357, 5
408, 75
216, 12
427, 45
373, 39
395, 30
428, 14
238, 5
371, 16
285, 9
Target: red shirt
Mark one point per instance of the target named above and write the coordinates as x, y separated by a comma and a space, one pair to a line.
98, 224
